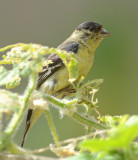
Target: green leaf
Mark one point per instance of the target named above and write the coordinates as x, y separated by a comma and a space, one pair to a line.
94, 84
99, 145
109, 156
118, 137
130, 129
8, 101
70, 61
84, 156
14, 83
9, 78
113, 121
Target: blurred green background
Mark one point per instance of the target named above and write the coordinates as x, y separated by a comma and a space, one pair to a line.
49, 23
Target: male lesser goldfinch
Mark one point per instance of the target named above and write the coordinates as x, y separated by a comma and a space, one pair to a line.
54, 77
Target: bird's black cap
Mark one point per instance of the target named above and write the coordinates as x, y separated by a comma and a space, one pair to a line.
91, 26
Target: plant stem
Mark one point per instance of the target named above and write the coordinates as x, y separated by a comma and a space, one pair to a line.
14, 123
75, 115
54, 101
52, 127
87, 122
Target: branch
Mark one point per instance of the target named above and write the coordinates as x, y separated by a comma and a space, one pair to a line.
75, 115
24, 157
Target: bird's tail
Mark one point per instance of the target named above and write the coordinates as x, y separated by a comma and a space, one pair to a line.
32, 116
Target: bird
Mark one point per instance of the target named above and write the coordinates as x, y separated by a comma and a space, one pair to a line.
54, 78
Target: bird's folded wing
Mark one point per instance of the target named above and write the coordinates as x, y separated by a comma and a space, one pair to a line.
56, 62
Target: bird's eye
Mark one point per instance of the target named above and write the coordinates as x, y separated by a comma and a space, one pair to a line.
87, 34
100, 28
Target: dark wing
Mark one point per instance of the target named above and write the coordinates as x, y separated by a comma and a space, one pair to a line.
50, 69
70, 47
56, 62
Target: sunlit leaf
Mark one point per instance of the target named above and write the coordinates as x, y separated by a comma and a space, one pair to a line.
113, 121
70, 62
118, 137
14, 83
9, 77
8, 101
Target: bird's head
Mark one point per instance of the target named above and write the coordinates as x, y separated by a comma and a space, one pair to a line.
90, 33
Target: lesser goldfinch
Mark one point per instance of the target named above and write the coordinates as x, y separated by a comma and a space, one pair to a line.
54, 79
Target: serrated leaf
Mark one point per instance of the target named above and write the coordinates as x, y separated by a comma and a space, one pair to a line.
14, 83
8, 101
8, 77
71, 63
94, 84
118, 137
113, 121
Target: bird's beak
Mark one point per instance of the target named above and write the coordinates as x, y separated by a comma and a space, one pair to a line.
104, 33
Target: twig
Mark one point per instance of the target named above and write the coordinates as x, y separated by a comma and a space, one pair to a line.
67, 141
24, 157
52, 127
